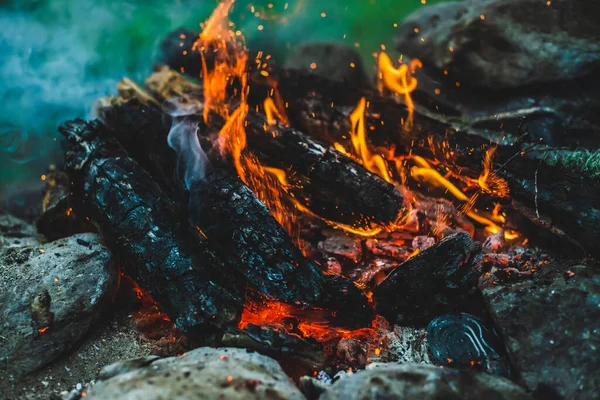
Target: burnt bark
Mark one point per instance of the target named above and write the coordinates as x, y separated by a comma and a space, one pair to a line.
196, 288
554, 197
333, 186
439, 280
236, 224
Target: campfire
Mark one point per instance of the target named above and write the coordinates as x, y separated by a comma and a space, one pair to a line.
325, 223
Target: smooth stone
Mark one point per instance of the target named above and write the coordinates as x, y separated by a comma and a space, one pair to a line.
552, 331
506, 43
203, 373
50, 295
464, 341
422, 382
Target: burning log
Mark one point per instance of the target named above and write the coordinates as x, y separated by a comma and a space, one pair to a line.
334, 186
236, 224
327, 176
553, 197
179, 270
438, 280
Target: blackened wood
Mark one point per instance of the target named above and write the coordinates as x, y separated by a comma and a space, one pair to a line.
185, 277
351, 306
552, 196
439, 280
142, 129
59, 218
278, 344
238, 224
333, 186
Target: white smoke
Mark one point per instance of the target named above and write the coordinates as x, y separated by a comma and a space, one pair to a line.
192, 162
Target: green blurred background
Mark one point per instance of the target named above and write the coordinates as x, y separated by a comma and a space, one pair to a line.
59, 56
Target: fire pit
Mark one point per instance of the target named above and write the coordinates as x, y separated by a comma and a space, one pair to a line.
237, 223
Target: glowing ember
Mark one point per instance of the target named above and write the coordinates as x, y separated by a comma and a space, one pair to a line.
314, 322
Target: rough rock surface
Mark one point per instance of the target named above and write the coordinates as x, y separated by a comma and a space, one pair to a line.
337, 243
15, 232
49, 296
422, 382
204, 373
552, 331
334, 61
506, 43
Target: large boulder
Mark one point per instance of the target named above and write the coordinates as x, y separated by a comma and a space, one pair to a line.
50, 295
506, 43
204, 373
422, 382
552, 331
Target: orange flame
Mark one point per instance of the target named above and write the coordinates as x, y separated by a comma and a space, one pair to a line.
275, 112
358, 136
217, 36
488, 181
400, 81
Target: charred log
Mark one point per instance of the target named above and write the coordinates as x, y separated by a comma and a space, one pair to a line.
554, 197
59, 218
333, 186
439, 280
179, 270
237, 223
327, 177
278, 344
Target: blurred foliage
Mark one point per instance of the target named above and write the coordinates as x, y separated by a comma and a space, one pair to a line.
61, 55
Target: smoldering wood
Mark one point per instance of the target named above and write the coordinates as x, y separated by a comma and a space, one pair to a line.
278, 344
554, 197
327, 176
233, 220
58, 218
197, 289
236, 224
333, 185
439, 280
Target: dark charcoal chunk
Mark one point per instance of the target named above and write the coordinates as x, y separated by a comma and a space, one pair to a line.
438, 280
141, 225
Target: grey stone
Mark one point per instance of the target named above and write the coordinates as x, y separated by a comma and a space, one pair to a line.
203, 373
552, 331
15, 232
506, 43
405, 345
49, 296
422, 382
333, 61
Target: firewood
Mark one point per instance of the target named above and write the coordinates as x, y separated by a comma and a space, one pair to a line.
439, 280
554, 197
333, 186
140, 223
236, 224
